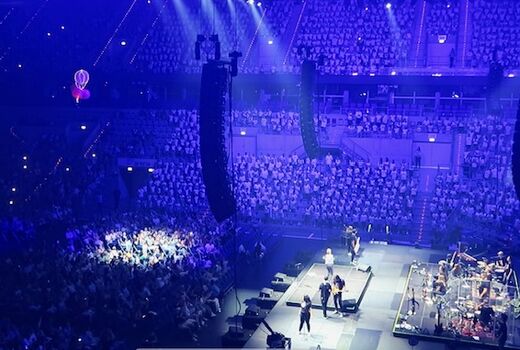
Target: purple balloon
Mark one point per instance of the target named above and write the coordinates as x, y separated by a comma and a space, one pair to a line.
85, 94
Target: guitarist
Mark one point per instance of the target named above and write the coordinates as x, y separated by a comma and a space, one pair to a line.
338, 286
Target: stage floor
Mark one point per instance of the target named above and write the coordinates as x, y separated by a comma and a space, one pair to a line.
356, 285
371, 327
457, 308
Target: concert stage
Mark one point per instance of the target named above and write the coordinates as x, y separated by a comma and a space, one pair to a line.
356, 285
458, 309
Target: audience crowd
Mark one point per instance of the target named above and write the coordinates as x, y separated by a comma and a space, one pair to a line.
495, 33
443, 18
354, 37
160, 283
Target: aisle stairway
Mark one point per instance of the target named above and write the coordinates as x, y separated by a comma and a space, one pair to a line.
421, 210
465, 32
292, 30
417, 53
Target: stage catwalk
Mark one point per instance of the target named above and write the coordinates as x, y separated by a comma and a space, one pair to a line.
357, 283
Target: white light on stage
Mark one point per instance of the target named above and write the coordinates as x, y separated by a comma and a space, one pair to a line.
19, 65
13, 189
355, 73
388, 6
510, 75
432, 138
251, 2
393, 72
25, 167
67, 169
123, 43
48, 33
24, 158
372, 74
11, 202
151, 170
242, 133
93, 155
62, 27
270, 42
130, 169
259, 4
83, 127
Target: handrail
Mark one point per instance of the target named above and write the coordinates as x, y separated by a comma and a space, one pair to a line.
354, 148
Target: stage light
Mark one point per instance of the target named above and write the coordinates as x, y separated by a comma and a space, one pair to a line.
19, 65
62, 27
130, 169
48, 33
123, 43
67, 169
372, 74
242, 133
388, 6
366, 8
11, 202
393, 72
149, 2
151, 170
93, 155
251, 2
355, 73
13, 189
436, 75
270, 42
24, 167
259, 4
510, 75
432, 138
83, 127
25, 158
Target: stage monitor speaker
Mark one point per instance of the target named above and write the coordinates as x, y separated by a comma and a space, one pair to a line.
252, 310
266, 293
214, 158
280, 277
364, 267
349, 305
308, 129
516, 154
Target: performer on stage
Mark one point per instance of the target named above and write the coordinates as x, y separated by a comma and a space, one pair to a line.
485, 286
337, 290
329, 262
305, 313
325, 290
500, 261
352, 240
508, 271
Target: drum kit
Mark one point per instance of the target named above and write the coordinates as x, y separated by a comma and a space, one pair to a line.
456, 291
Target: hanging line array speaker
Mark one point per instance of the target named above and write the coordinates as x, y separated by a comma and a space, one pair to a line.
516, 154
214, 158
308, 130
